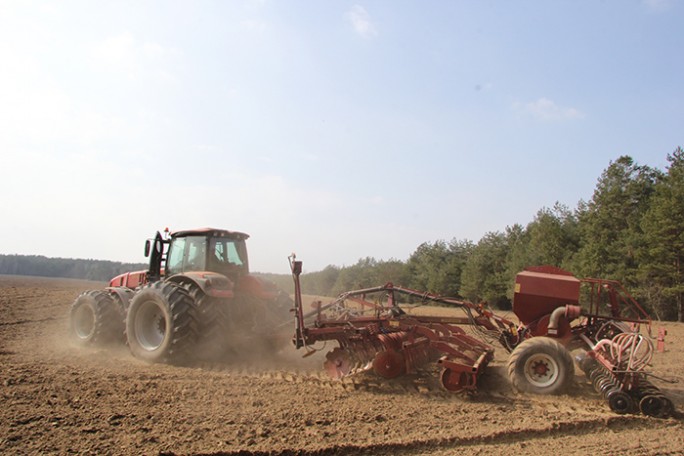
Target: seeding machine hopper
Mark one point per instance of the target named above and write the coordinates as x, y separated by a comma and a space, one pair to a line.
373, 332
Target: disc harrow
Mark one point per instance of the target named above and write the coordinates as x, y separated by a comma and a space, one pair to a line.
373, 333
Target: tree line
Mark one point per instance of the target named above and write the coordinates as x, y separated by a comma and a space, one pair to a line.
37, 265
632, 230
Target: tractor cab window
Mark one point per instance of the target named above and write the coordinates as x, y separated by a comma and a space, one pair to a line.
174, 261
187, 254
196, 253
226, 254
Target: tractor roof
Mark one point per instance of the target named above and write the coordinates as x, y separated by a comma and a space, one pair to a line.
212, 232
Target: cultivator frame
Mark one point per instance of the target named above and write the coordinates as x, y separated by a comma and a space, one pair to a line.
383, 337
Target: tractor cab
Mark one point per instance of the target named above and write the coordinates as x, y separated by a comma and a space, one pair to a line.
205, 249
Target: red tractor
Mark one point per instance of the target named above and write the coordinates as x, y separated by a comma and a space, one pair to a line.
197, 300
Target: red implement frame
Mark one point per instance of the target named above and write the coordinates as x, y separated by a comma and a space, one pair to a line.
381, 336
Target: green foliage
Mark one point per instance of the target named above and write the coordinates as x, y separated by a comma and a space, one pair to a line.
368, 272
552, 238
320, 283
484, 276
610, 224
437, 267
662, 256
36, 265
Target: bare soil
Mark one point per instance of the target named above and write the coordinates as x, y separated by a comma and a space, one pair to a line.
58, 398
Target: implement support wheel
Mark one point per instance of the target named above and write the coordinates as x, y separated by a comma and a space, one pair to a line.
541, 366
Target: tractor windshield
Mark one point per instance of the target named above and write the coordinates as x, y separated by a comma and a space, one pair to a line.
224, 255
187, 254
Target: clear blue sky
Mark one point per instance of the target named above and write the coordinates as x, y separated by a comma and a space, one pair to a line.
334, 129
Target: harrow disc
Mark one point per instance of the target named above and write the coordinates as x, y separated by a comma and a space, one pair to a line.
389, 364
338, 363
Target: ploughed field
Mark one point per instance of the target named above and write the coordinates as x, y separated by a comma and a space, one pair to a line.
61, 399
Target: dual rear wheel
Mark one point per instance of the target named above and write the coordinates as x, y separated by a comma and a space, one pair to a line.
168, 322
160, 325
96, 318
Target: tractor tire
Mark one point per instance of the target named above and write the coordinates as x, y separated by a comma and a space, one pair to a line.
541, 365
96, 318
162, 324
214, 325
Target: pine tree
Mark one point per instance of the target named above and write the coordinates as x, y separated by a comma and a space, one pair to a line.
610, 224
484, 275
662, 271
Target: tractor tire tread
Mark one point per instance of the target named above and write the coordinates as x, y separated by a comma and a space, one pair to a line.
182, 333
108, 324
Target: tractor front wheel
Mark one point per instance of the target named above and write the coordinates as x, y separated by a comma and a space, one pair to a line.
161, 323
541, 365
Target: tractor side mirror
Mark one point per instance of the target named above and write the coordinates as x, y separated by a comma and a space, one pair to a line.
147, 248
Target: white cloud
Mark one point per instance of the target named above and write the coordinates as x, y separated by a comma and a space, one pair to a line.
657, 5
547, 110
360, 20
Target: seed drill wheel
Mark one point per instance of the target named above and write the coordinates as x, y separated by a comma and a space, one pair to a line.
161, 323
96, 318
541, 366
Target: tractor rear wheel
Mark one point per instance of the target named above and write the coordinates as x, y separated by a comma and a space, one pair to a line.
212, 316
96, 318
541, 365
161, 323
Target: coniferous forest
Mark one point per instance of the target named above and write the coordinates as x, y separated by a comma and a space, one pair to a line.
38, 265
632, 230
